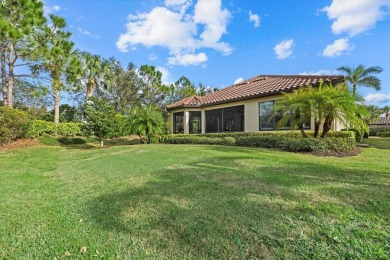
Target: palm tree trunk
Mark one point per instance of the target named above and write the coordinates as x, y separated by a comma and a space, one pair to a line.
90, 89
300, 127
3, 76
317, 125
354, 90
10, 102
327, 126
56, 96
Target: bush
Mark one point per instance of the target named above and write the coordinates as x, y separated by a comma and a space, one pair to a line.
374, 130
68, 141
359, 134
121, 126
69, 129
289, 141
39, 127
12, 124
383, 134
49, 140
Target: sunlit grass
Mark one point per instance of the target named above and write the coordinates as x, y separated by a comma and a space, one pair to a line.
190, 201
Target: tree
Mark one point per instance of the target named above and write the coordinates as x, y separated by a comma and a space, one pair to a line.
147, 121
96, 73
373, 113
153, 91
361, 76
100, 118
58, 60
324, 103
182, 88
18, 20
68, 113
122, 92
386, 110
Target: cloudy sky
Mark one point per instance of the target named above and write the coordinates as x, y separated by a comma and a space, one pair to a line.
219, 42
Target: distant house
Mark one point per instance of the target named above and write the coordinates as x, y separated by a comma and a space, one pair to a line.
380, 121
243, 107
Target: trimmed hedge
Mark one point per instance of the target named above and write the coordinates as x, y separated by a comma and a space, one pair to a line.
289, 141
374, 130
383, 134
12, 124
40, 127
359, 134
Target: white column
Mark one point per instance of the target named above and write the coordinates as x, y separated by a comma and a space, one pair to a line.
186, 122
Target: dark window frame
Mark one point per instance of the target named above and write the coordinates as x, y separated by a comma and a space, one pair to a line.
175, 115
222, 125
273, 119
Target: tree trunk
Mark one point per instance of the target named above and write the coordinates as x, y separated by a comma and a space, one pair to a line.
10, 102
354, 90
327, 126
90, 90
300, 127
317, 125
101, 143
3, 76
56, 96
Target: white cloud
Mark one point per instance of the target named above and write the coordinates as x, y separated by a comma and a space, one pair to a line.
239, 80
283, 50
321, 72
87, 33
188, 59
178, 31
164, 74
51, 9
254, 18
356, 16
377, 98
337, 48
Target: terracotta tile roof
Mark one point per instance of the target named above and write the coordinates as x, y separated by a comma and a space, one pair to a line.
263, 85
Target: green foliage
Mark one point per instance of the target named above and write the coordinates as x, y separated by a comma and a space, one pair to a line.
147, 121
12, 124
362, 76
67, 114
383, 134
374, 130
289, 141
359, 134
40, 127
49, 140
100, 118
69, 129
121, 126
69, 141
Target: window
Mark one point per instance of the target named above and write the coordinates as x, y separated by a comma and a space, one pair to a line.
268, 118
195, 122
230, 119
178, 123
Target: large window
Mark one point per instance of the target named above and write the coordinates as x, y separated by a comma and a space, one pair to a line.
230, 119
178, 123
195, 122
269, 118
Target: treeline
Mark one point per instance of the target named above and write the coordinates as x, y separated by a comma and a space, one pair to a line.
39, 63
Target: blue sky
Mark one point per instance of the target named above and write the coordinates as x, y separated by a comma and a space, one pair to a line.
219, 42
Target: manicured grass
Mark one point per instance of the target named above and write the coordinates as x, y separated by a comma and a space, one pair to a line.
192, 201
378, 142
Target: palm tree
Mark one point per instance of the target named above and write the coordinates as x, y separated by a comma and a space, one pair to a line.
386, 110
361, 76
324, 104
147, 121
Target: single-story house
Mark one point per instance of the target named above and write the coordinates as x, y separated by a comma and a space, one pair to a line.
243, 107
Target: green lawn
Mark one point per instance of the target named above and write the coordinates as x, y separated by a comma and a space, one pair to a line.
192, 201
378, 142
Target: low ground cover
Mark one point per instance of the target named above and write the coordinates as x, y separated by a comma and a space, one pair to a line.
192, 201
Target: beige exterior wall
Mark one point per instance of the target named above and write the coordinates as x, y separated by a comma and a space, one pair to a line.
251, 114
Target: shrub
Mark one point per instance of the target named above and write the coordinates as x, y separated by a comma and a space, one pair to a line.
68, 141
69, 129
121, 126
374, 130
49, 140
359, 134
39, 127
12, 124
189, 139
383, 134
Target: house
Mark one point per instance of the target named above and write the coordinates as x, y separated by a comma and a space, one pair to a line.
243, 107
